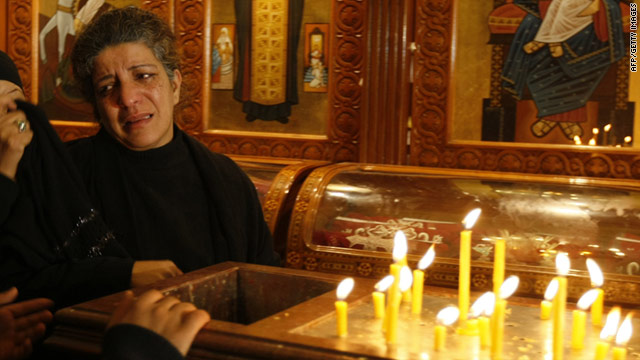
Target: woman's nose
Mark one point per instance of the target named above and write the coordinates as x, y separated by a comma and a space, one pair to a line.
128, 95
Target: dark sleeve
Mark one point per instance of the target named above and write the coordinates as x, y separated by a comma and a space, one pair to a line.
259, 239
66, 282
132, 342
8, 195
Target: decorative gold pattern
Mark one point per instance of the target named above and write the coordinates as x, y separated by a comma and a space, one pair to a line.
269, 51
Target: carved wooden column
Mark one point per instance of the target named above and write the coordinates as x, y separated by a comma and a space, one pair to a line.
386, 105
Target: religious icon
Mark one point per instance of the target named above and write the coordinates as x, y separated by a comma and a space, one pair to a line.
268, 33
561, 68
222, 56
316, 74
60, 22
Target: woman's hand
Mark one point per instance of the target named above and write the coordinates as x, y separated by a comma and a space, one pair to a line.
15, 135
149, 271
21, 324
176, 321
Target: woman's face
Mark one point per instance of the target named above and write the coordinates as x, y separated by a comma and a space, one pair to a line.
134, 95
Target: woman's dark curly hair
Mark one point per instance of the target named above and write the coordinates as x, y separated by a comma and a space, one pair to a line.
116, 27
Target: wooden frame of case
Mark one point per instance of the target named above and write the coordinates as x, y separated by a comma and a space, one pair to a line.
621, 289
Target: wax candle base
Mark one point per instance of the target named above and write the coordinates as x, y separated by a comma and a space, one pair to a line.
470, 329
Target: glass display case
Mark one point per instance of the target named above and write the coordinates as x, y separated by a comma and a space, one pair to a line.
277, 182
346, 216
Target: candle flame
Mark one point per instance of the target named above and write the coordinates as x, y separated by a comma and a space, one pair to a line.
595, 131
483, 305
471, 218
551, 291
399, 246
448, 315
627, 139
624, 333
384, 284
563, 264
344, 288
587, 299
610, 326
406, 278
607, 127
576, 140
509, 286
597, 279
427, 259
592, 141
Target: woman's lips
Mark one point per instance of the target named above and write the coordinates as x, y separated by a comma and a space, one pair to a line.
134, 122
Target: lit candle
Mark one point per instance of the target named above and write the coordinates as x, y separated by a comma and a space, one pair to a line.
597, 279
464, 278
546, 305
344, 288
560, 301
508, 287
378, 295
608, 331
592, 142
627, 141
418, 279
605, 136
405, 284
399, 256
445, 317
623, 336
576, 140
580, 319
480, 309
595, 132
498, 264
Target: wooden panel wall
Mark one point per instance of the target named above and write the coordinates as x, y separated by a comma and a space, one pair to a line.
386, 106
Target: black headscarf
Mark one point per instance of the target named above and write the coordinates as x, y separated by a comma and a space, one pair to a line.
8, 70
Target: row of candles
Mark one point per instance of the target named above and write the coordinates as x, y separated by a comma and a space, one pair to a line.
605, 138
485, 318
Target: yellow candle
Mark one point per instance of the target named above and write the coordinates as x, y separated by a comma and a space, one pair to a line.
379, 297
596, 309
392, 315
580, 319
597, 280
445, 317
622, 337
546, 306
406, 296
619, 353
483, 330
341, 314
508, 287
577, 331
418, 281
344, 288
545, 309
393, 293
378, 304
602, 348
498, 329
562, 264
464, 275
498, 264
439, 337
